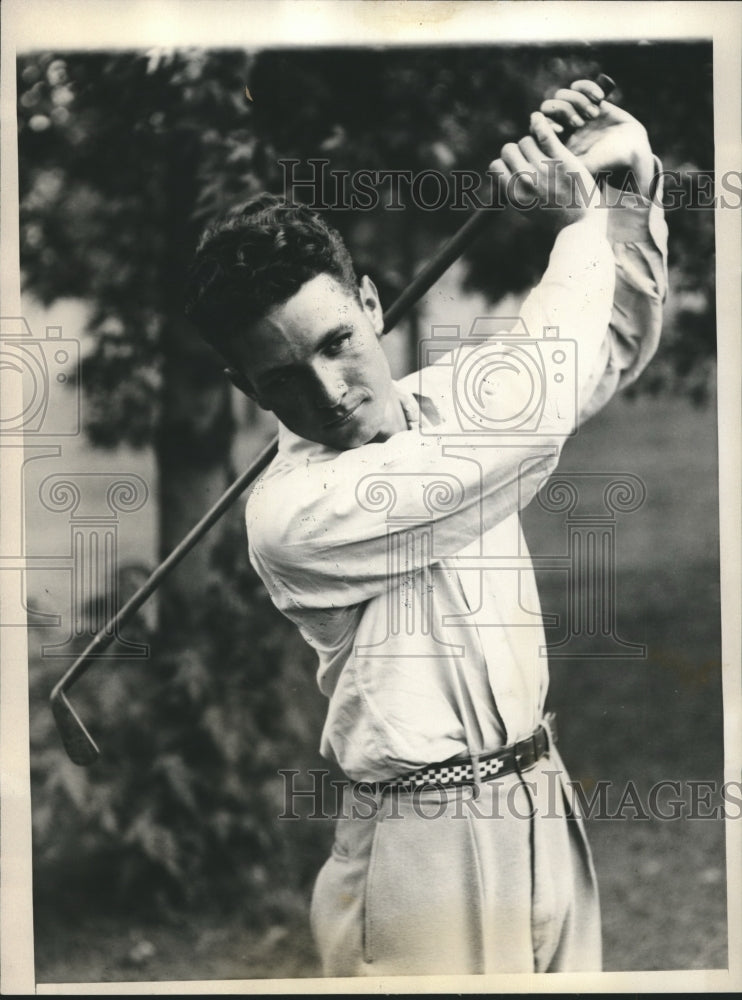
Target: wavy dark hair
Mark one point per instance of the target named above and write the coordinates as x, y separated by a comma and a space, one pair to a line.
258, 257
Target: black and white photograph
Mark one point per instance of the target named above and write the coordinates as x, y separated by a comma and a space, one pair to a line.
370, 531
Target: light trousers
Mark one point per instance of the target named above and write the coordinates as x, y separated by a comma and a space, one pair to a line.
490, 878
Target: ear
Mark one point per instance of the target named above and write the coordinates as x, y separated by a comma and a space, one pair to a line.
239, 381
371, 304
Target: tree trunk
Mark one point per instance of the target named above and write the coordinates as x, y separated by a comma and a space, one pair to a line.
193, 451
195, 427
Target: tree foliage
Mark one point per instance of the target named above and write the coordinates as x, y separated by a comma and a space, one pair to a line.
125, 156
182, 808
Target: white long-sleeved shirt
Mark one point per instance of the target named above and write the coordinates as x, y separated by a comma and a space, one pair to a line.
423, 660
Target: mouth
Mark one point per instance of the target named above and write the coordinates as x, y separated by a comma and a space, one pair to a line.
343, 418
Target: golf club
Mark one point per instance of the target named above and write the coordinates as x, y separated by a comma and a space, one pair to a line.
78, 743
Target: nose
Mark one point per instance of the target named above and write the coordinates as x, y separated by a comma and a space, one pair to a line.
328, 385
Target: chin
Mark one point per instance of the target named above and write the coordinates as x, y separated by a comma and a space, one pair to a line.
362, 428
347, 438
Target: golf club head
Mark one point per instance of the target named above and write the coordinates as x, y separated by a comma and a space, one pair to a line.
80, 746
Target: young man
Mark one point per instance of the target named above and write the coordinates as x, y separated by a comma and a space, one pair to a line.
367, 528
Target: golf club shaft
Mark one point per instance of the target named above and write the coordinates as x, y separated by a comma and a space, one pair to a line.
109, 632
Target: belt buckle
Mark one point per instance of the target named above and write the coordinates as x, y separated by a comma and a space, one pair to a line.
526, 747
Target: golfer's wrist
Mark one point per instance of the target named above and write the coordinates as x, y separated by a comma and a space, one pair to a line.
631, 208
589, 218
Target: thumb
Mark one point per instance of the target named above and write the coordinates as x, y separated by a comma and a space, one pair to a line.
552, 146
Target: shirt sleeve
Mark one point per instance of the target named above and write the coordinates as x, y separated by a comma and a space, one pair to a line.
319, 532
637, 232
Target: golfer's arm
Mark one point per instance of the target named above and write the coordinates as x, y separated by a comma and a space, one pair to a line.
638, 236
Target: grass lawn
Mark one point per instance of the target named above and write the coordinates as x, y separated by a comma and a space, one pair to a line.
663, 883
659, 718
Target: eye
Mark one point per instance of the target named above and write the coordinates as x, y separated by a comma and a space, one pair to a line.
338, 345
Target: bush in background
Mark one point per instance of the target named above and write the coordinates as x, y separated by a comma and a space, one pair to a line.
181, 808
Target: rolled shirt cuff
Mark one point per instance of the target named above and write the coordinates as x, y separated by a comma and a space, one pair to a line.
634, 218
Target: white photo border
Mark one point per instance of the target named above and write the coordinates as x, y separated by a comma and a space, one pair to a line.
78, 24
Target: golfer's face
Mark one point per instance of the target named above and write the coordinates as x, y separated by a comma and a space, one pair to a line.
317, 363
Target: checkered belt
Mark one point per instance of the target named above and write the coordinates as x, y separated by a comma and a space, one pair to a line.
461, 770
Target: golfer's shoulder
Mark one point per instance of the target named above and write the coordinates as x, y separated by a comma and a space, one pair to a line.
269, 508
288, 506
